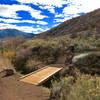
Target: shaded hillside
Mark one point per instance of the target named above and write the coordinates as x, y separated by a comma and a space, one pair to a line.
14, 33
87, 24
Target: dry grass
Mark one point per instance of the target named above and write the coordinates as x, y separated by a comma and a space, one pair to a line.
86, 87
5, 63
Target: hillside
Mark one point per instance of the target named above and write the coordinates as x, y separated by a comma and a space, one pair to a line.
87, 24
5, 33
73, 45
81, 32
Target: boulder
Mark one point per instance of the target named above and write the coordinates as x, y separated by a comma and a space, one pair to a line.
9, 72
78, 59
89, 62
86, 59
6, 72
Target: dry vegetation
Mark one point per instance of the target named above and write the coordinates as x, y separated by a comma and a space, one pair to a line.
8, 51
53, 51
30, 55
86, 87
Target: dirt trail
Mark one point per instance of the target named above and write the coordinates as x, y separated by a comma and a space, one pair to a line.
12, 89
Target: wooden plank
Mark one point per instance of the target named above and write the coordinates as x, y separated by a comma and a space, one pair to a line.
40, 76
33, 72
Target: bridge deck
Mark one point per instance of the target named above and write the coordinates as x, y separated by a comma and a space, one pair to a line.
40, 76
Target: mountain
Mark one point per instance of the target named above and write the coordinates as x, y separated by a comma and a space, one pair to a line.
87, 24
5, 33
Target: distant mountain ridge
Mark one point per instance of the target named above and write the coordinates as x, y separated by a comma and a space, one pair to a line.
5, 33
86, 24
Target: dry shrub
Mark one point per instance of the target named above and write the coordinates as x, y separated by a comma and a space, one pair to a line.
5, 63
58, 87
86, 87
20, 60
9, 54
32, 64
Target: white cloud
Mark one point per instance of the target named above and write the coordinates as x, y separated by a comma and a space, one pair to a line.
29, 29
41, 22
59, 20
86, 5
56, 3
51, 9
22, 21
71, 10
77, 6
58, 15
46, 4
10, 11
81, 6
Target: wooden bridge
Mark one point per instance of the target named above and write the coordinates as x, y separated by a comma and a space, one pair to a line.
40, 76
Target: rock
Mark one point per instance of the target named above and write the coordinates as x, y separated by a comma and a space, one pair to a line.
87, 59
88, 62
79, 57
9, 72
6, 72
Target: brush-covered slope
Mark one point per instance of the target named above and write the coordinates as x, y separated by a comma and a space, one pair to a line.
33, 53
86, 24
5, 33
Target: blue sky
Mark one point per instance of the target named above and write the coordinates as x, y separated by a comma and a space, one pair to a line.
35, 16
